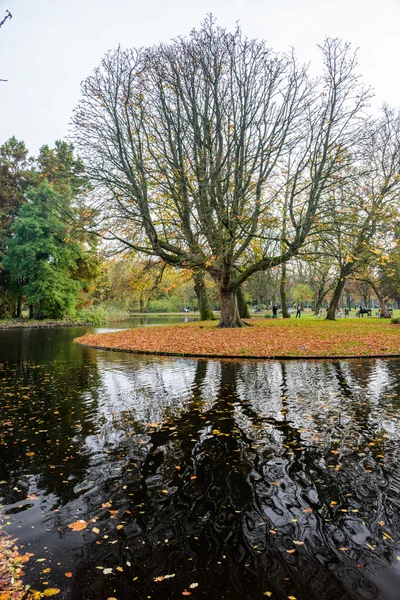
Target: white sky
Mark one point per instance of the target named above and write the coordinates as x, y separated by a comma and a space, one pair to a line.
50, 46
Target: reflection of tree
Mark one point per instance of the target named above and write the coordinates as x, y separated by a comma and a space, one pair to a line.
235, 473
222, 493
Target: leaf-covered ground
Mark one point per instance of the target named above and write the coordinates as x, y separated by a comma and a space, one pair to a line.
264, 339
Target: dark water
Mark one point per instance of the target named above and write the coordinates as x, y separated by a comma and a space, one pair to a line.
241, 477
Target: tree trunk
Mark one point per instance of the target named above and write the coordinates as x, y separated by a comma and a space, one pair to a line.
243, 307
31, 311
384, 310
206, 313
229, 309
348, 299
334, 303
320, 298
19, 308
282, 290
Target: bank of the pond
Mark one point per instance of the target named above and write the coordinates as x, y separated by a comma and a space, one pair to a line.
96, 321
46, 323
265, 339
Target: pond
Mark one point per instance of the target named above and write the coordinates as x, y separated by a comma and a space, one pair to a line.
160, 477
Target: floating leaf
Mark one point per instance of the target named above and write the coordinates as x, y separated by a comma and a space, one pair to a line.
78, 525
51, 592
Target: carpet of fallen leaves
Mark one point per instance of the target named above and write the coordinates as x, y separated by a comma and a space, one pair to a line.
11, 568
263, 339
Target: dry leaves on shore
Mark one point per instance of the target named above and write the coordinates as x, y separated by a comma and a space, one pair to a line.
264, 339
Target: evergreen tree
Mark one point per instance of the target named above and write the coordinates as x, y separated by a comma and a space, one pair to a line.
41, 257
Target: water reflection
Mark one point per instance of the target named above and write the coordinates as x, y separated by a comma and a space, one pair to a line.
241, 477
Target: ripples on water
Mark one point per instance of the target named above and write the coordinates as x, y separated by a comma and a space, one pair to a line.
242, 477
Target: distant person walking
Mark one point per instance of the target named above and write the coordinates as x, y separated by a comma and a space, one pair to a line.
275, 312
298, 311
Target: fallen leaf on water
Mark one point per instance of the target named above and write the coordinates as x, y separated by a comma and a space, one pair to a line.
96, 530
186, 593
78, 525
193, 585
291, 551
51, 592
107, 571
160, 578
269, 594
381, 523
68, 574
298, 543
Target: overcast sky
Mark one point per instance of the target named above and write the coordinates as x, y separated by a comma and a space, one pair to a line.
50, 46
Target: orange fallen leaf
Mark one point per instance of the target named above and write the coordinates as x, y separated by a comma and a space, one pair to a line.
68, 574
78, 525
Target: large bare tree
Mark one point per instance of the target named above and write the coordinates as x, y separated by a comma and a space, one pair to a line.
192, 145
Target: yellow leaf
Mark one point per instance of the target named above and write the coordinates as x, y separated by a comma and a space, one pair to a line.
51, 592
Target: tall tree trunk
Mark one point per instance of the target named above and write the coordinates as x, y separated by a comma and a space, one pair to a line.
19, 308
334, 303
229, 309
206, 313
31, 311
282, 290
243, 307
384, 310
319, 300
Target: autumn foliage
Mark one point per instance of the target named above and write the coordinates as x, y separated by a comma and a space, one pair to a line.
265, 339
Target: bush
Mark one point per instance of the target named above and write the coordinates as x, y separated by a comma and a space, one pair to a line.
396, 321
166, 304
95, 316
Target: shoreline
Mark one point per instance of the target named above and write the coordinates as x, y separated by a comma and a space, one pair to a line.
235, 357
43, 325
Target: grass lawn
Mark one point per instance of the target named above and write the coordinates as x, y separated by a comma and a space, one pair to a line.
266, 338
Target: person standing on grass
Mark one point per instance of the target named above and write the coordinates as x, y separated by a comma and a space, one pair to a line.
274, 311
298, 311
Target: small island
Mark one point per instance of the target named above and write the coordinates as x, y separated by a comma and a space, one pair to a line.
267, 338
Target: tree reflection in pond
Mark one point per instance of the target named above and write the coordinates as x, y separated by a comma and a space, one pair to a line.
243, 477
